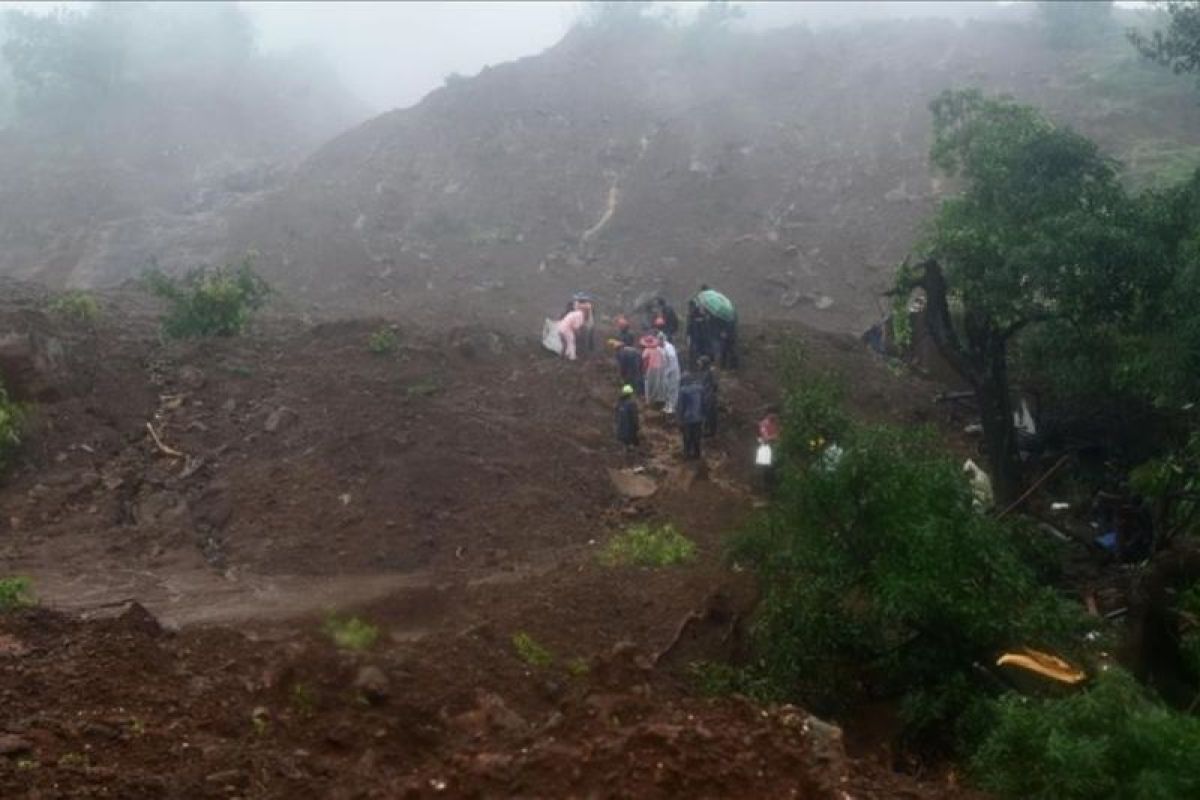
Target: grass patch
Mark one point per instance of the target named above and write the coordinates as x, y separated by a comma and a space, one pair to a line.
15, 593
423, 388
383, 342
75, 305
350, 633
647, 545
530, 651
715, 679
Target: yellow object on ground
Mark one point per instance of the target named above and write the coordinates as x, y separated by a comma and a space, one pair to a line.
1043, 664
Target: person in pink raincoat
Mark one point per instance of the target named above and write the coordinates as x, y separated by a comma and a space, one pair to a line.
568, 326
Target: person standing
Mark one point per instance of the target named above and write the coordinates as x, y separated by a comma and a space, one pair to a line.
691, 417
625, 332
708, 391
673, 373
629, 365
670, 320
654, 370
628, 429
697, 333
587, 333
568, 327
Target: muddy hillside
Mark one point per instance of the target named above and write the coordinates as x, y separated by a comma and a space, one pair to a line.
209, 514
787, 166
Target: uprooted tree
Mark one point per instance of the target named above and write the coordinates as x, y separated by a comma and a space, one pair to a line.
1040, 231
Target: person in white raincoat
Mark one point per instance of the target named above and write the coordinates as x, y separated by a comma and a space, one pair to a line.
672, 373
654, 368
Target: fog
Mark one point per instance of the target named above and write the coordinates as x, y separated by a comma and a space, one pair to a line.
390, 55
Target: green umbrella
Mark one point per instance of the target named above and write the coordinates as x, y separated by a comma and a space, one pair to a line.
717, 304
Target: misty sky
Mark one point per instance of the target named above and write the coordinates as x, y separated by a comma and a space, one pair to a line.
392, 54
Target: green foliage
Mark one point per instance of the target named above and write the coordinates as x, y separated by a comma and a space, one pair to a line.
1041, 228
12, 427
15, 593
530, 651
210, 301
383, 342
1109, 741
646, 545
425, 387
1189, 642
715, 679
76, 305
1178, 47
878, 577
350, 633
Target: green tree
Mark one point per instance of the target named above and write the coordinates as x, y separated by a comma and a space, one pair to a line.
1178, 47
878, 579
1040, 231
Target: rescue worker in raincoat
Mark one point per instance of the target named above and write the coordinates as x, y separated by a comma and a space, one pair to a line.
568, 327
654, 369
628, 429
673, 373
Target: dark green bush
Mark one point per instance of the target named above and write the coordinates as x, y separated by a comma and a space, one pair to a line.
1109, 741
879, 580
210, 301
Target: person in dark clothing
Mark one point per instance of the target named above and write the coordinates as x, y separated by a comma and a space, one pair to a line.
670, 319
629, 364
708, 392
691, 417
698, 326
625, 332
628, 429
725, 344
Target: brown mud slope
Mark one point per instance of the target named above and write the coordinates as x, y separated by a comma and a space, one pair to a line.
454, 493
788, 168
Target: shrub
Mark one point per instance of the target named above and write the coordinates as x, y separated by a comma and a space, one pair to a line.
14, 593
12, 424
1111, 740
878, 578
649, 546
530, 651
351, 633
208, 301
383, 342
75, 305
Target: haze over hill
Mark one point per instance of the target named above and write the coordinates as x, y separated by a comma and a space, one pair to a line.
787, 164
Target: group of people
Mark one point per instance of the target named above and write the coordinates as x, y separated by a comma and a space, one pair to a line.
650, 371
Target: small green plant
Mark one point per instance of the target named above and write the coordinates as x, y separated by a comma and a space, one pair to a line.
351, 633
529, 651
383, 342
303, 699
422, 388
715, 679
578, 667
76, 305
12, 426
14, 593
209, 301
648, 546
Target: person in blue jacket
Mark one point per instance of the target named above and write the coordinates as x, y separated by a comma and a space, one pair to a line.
691, 417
